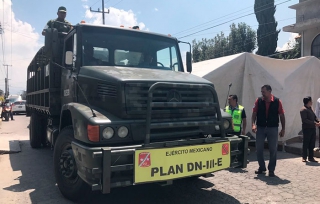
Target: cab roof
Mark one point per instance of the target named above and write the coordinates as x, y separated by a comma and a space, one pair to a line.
123, 28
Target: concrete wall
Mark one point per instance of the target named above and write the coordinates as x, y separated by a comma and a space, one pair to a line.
310, 11
307, 39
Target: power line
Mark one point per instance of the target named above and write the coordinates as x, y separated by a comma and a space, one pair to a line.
117, 3
222, 17
2, 45
102, 12
21, 33
24, 59
230, 20
94, 3
11, 36
249, 25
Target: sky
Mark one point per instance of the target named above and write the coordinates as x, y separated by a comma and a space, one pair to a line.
22, 22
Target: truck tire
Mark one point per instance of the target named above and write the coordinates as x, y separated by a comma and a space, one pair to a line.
35, 131
65, 169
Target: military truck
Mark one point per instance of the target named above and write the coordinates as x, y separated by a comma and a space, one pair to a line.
118, 108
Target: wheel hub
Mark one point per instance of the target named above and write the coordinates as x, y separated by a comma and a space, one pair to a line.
67, 164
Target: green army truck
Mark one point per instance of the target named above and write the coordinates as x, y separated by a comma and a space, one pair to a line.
118, 108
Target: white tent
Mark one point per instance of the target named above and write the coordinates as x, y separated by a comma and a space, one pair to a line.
291, 81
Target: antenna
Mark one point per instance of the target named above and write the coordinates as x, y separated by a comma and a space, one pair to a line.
228, 94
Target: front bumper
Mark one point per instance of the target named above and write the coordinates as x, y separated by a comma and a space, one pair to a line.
104, 168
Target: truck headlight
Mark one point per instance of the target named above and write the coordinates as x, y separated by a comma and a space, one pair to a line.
108, 133
226, 124
123, 131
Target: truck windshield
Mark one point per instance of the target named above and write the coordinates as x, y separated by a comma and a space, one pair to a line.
130, 49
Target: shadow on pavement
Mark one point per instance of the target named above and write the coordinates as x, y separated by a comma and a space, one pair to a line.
272, 180
237, 170
312, 164
280, 155
36, 166
36, 174
182, 191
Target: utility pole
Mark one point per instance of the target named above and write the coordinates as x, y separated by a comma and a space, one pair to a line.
6, 80
103, 12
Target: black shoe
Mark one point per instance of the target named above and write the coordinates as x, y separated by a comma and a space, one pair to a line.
313, 160
271, 174
260, 171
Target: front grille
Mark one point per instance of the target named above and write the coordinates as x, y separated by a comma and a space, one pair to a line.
137, 97
106, 90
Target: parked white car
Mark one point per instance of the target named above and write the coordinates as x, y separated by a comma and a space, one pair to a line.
19, 107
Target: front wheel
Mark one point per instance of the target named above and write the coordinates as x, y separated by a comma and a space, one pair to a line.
65, 168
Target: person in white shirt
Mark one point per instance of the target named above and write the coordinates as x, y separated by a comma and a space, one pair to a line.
317, 112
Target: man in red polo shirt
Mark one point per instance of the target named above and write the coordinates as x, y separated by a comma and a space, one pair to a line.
265, 123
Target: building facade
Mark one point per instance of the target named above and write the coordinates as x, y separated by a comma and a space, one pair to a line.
308, 26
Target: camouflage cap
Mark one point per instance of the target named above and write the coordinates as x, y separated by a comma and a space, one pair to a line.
62, 9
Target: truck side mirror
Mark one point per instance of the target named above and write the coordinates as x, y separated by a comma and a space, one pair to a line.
51, 42
69, 58
189, 62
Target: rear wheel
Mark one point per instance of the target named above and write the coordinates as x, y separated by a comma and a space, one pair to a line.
6, 116
65, 168
37, 130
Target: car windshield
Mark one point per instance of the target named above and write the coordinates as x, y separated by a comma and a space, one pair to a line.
130, 49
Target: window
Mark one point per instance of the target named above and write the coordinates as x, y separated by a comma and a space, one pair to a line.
168, 58
94, 56
132, 49
19, 103
127, 58
315, 47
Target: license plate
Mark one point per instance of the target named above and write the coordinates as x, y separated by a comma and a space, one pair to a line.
19, 106
171, 163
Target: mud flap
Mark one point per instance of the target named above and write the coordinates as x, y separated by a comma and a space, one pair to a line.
243, 146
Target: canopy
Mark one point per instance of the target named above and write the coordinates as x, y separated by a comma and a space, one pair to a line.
291, 81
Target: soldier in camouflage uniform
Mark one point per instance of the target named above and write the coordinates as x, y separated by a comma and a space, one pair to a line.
60, 23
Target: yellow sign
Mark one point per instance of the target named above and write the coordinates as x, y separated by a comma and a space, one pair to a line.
170, 163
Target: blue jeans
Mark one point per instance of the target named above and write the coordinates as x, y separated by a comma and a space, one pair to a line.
271, 133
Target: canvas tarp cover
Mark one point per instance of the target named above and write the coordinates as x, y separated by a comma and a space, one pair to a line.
291, 81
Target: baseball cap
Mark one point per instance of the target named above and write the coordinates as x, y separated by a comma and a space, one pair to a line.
62, 9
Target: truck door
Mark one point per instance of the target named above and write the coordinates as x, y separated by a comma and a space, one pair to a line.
68, 86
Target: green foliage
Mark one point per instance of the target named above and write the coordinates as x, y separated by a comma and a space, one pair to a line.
267, 33
240, 39
294, 50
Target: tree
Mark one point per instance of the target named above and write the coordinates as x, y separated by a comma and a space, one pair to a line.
240, 39
267, 33
195, 51
293, 50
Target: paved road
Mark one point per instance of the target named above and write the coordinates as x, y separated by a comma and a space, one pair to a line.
27, 177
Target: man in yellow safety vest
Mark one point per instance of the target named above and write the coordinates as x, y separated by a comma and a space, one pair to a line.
238, 115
